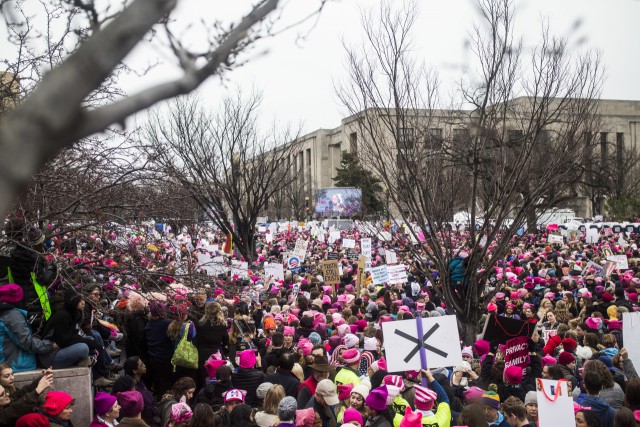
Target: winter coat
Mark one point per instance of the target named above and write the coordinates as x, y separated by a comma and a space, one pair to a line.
329, 416
149, 410
23, 262
306, 390
159, 345
286, 379
136, 341
378, 421
457, 271
248, 380
97, 423
18, 346
132, 422
211, 338
211, 394
602, 409
272, 357
23, 401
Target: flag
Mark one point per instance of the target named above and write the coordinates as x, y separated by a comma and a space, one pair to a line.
228, 245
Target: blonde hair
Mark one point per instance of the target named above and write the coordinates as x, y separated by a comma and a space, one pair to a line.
213, 314
298, 372
273, 397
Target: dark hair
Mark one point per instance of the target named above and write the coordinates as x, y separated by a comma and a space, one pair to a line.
203, 416
624, 418
277, 339
472, 416
223, 373
181, 386
306, 322
593, 377
241, 416
130, 365
514, 406
286, 361
555, 372
123, 383
590, 418
632, 392
591, 340
320, 346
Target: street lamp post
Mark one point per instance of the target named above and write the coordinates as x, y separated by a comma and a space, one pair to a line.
306, 207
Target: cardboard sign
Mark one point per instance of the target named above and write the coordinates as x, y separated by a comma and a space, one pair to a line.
555, 403
301, 249
554, 238
630, 334
275, 271
330, 272
440, 339
517, 352
391, 257
361, 273
379, 274
396, 274
348, 243
620, 260
502, 329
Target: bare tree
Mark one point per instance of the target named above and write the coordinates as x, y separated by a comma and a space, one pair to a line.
517, 151
56, 113
229, 167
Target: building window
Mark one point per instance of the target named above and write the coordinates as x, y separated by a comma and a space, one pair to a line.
353, 142
434, 139
405, 138
603, 148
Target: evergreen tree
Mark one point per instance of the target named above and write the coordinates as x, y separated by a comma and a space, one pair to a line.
352, 174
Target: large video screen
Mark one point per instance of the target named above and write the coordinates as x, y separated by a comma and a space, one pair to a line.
343, 202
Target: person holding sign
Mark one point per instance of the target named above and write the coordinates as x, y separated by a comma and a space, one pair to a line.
425, 400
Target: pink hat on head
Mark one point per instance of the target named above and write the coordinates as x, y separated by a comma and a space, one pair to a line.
467, 351
482, 347
344, 391
342, 298
288, 330
548, 360
521, 293
513, 374
404, 309
351, 356
326, 299
380, 364
327, 289
491, 307
247, 359
513, 295
306, 348
212, 366
500, 296
420, 306
343, 329
395, 380
473, 393
424, 398
593, 322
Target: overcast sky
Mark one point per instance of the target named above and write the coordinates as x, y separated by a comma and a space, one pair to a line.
297, 76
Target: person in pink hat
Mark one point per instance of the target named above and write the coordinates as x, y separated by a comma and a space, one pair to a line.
349, 372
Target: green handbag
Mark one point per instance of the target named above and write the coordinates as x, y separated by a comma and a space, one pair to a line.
185, 354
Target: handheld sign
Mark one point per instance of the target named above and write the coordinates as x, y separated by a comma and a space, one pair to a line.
379, 274
502, 329
440, 340
621, 260
293, 264
301, 249
348, 243
630, 334
274, 270
555, 404
517, 352
330, 272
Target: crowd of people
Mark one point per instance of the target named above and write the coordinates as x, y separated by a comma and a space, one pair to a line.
177, 347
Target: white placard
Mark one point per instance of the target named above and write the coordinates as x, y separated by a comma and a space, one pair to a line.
630, 334
262, 229
621, 260
274, 270
385, 236
555, 404
397, 274
391, 257
239, 268
622, 242
268, 237
333, 236
592, 236
554, 238
301, 249
379, 274
442, 343
348, 243
365, 247
213, 266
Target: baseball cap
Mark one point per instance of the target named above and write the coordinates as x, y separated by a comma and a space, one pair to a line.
328, 391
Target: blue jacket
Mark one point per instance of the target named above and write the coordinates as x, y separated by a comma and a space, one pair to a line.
602, 409
17, 343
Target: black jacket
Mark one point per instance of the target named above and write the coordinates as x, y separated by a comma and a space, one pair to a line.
272, 357
248, 380
211, 394
23, 262
136, 341
286, 379
63, 326
211, 338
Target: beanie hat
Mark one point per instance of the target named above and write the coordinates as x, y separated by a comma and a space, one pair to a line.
212, 366
412, 375
377, 399
392, 393
103, 402
411, 419
593, 322
306, 348
269, 323
180, 412
247, 359
467, 351
380, 364
473, 392
607, 297
513, 374
531, 397
56, 401
371, 343
569, 344
565, 358
344, 391
131, 403
424, 398
287, 409
491, 307
288, 330
262, 390
481, 347
351, 356
351, 414
362, 390
343, 329
11, 293
491, 398
351, 340
395, 380
548, 360
33, 420
314, 338
305, 417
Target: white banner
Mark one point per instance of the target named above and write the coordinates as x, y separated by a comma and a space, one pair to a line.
379, 274
554, 238
440, 337
348, 243
397, 274
621, 260
333, 236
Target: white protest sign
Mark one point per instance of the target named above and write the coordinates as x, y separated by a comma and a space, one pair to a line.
397, 274
630, 334
554, 238
333, 236
592, 236
621, 260
385, 236
348, 243
262, 229
379, 274
598, 270
555, 404
320, 236
274, 270
441, 342
301, 249
268, 237
239, 268
622, 242
365, 247
391, 257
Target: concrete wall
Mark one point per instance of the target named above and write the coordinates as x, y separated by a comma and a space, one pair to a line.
76, 382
